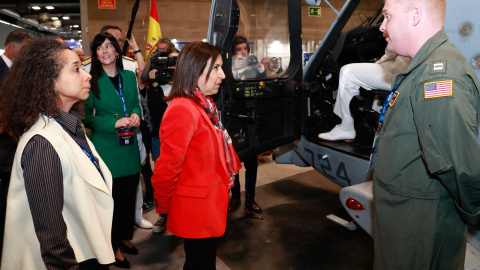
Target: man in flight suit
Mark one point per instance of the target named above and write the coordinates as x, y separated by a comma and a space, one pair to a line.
426, 182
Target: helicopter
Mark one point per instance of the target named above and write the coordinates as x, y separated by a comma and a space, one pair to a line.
286, 111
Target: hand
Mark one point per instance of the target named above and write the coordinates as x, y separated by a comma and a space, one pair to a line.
135, 120
132, 42
123, 122
151, 74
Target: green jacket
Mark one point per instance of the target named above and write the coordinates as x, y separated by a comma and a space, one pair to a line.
122, 160
427, 177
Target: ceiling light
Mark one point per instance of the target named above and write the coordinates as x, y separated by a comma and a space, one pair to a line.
36, 8
54, 18
76, 26
66, 18
49, 7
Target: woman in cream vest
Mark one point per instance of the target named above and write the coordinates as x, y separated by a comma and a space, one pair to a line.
60, 207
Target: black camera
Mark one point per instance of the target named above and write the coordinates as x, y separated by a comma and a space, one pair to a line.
165, 66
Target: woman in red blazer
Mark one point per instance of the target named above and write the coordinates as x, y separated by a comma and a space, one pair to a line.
197, 164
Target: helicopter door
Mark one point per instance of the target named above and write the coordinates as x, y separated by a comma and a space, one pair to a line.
260, 96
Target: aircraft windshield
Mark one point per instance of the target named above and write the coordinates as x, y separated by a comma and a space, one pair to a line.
264, 26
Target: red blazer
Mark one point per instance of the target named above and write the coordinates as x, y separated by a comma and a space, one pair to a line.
190, 178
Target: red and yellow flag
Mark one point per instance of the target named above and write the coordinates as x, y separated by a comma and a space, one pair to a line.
154, 32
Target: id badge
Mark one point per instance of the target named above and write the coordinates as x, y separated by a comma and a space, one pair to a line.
126, 136
374, 148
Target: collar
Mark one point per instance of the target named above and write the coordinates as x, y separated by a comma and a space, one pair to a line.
7, 61
70, 121
426, 50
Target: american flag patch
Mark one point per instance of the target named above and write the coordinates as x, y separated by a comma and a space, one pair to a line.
438, 89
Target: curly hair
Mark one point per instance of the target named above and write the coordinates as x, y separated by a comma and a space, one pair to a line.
27, 89
191, 62
96, 70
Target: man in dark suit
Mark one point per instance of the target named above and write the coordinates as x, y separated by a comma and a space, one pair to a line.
13, 44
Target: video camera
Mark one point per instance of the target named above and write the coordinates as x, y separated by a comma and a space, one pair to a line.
243, 62
164, 65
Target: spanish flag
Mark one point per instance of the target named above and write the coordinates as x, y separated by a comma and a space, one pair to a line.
154, 32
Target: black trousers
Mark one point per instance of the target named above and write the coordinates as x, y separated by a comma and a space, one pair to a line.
201, 254
147, 178
124, 195
4, 183
251, 166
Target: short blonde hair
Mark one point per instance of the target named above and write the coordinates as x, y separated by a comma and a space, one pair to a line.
437, 8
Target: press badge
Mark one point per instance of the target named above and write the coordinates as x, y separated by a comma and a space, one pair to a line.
125, 136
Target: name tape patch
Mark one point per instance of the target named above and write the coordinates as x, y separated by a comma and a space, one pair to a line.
438, 89
394, 98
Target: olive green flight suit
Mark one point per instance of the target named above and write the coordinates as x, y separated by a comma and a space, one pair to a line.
427, 164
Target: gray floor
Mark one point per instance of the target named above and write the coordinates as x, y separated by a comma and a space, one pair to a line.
291, 233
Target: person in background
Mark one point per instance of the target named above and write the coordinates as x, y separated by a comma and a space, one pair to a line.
136, 65
244, 64
14, 43
266, 64
131, 53
197, 164
157, 107
128, 63
80, 53
114, 96
426, 182
156, 94
60, 205
242, 50
369, 76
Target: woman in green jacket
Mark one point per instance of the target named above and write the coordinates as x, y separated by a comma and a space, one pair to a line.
112, 113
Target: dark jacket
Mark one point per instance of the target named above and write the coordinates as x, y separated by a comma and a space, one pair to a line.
157, 106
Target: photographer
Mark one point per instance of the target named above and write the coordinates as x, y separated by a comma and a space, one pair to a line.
244, 64
161, 65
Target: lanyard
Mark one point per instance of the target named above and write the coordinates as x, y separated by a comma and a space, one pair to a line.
92, 158
388, 99
120, 94
380, 122
85, 150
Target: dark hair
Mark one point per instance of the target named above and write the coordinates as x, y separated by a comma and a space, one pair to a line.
171, 50
191, 62
105, 28
237, 40
17, 37
96, 70
27, 89
167, 41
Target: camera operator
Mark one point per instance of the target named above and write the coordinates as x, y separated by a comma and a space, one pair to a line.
244, 64
163, 45
161, 65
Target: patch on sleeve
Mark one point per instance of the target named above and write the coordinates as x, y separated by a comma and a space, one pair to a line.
438, 89
438, 67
